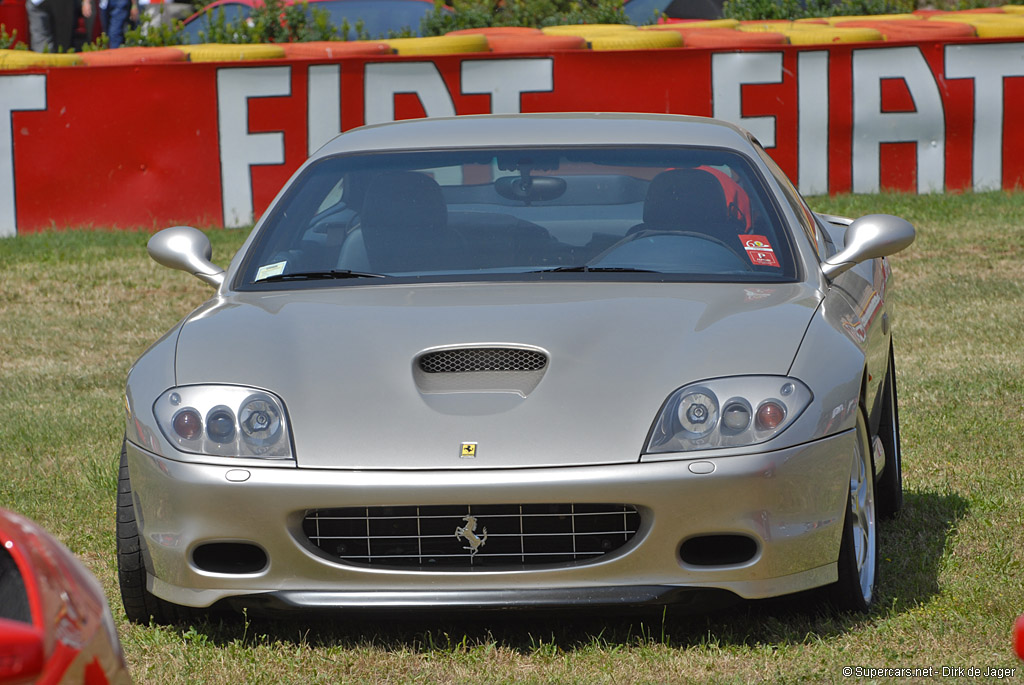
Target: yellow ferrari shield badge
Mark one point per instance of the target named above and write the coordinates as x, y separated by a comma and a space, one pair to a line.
468, 450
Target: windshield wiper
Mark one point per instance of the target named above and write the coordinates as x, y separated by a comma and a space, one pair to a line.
583, 268
319, 276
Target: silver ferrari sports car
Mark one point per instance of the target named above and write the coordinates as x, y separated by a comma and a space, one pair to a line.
519, 361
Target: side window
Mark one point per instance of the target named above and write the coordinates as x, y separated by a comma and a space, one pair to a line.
806, 218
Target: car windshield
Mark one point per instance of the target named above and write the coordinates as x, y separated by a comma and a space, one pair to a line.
661, 214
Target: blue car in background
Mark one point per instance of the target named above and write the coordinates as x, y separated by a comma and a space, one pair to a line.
378, 17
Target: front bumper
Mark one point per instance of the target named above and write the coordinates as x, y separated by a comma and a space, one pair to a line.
791, 502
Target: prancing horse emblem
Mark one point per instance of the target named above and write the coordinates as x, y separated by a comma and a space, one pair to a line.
467, 532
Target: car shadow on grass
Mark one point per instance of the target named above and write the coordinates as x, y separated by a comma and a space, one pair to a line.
912, 548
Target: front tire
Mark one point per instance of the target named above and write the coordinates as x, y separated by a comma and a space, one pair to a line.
858, 551
890, 484
139, 603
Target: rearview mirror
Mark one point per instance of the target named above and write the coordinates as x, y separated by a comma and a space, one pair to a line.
530, 188
187, 249
869, 237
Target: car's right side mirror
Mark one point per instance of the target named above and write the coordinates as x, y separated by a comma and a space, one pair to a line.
869, 237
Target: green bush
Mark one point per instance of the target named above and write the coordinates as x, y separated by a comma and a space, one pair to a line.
7, 40
795, 9
471, 14
155, 36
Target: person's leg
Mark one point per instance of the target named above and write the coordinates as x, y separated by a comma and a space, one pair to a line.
40, 28
118, 10
62, 14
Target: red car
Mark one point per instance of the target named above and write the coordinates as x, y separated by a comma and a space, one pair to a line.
1018, 637
55, 623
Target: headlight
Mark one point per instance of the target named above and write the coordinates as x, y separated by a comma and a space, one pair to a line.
224, 421
727, 412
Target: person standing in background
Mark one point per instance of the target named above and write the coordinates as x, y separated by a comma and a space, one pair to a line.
50, 24
117, 15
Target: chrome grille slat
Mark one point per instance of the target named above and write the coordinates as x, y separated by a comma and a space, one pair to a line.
477, 359
489, 516
462, 556
424, 536
442, 537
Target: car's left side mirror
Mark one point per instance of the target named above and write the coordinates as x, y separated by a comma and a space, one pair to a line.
869, 237
21, 651
188, 249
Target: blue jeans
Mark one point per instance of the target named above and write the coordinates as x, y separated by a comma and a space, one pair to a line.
115, 18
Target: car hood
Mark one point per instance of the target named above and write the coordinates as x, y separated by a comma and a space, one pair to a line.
342, 360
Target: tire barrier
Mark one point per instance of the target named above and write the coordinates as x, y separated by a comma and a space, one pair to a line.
26, 59
333, 49
635, 40
914, 29
731, 38
588, 30
921, 25
695, 24
224, 52
823, 35
868, 17
490, 31
133, 55
439, 45
514, 43
987, 24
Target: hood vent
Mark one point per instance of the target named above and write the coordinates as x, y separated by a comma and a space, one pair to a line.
475, 359
480, 368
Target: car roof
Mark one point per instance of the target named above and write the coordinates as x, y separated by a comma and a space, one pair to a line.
541, 130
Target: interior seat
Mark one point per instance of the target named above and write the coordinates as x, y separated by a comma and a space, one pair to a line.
404, 225
687, 200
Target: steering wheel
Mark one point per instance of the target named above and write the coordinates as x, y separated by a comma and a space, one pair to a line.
648, 233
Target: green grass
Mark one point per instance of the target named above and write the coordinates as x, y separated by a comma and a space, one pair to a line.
77, 308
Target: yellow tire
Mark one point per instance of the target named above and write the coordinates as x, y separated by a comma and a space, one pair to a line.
24, 59
765, 26
988, 25
974, 18
587, 30
869, 17
1011, 28
230, 52
439, 45
827, 35
706, 24
636, 40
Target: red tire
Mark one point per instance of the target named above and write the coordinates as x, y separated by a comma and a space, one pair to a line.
133, 55
535, 43
729, 38
914, 29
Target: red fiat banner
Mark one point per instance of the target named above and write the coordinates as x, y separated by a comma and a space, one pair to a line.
211, 144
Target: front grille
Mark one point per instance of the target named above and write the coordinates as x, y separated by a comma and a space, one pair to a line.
471, 359
444, 536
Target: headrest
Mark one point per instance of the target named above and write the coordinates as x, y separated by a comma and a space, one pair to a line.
686, 199
404, 201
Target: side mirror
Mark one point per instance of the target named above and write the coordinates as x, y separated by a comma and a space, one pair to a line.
21, 651
870, 237
187, 249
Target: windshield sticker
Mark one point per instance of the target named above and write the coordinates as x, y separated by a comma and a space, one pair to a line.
759, 251
271, 270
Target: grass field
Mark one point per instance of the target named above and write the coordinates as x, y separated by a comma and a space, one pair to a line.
77, 308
